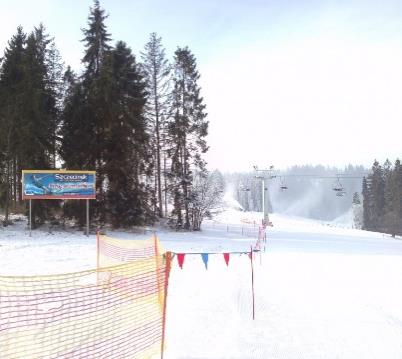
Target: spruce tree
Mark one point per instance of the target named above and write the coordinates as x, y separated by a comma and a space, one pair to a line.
96, 41
97, 48
126, 153
29, 112
392, 210
76, 135
356, 198
377, 188
40, 115
188, 128
11, 107
357, 209
367, 206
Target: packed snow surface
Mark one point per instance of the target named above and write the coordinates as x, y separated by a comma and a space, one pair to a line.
321, 290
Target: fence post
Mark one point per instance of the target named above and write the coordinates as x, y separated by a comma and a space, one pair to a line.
97, 257
252, 279
168, 256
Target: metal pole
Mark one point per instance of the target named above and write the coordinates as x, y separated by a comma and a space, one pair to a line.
263, 197
265, 202
87, 217
30, 217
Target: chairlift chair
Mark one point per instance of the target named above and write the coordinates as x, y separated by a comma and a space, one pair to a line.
283, 186
338, 188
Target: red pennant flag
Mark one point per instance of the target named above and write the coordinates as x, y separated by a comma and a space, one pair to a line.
180, 259
250, 255
226, 257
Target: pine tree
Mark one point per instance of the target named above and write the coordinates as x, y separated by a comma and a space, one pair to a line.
157, 74
187, 130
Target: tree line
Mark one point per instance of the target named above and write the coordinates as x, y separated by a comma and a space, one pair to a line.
382, 198
139, 123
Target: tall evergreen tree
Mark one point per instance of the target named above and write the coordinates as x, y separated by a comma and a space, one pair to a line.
397, 182
96, 41
28, 109
377, 186
367, 206
86, 126
76, 136
104, 127
356, 198
187, 130
392, 210
157, 74
11, 107
126, 152
40, 114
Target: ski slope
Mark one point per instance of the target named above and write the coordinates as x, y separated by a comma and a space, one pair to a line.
321, 291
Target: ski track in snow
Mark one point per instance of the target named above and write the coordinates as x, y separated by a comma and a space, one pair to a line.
320, 291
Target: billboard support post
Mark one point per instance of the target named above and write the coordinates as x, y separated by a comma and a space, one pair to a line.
87, 217
30, 217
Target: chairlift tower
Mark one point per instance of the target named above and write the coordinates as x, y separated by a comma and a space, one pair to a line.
264, 175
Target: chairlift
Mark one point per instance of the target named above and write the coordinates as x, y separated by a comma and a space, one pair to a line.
283, 186
337, 187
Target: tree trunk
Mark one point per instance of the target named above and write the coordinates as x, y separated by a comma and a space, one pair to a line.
15, 183
158, 149
7, 199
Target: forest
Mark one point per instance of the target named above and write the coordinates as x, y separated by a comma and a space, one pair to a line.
138, 121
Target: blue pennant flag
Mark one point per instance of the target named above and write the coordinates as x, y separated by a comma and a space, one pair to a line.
205, 259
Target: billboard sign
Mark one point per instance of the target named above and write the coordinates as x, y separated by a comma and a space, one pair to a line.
58, 184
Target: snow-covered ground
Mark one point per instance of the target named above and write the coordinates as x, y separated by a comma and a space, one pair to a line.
322, 290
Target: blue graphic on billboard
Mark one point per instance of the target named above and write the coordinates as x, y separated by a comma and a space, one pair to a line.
58, 185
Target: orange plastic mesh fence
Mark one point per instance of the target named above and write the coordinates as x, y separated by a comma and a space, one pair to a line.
115, 312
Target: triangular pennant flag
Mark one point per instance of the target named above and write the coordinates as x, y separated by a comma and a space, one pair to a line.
250, 254
180, 259
204, 257
226, 257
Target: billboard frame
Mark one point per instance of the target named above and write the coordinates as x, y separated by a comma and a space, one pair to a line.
60, 197
27, 197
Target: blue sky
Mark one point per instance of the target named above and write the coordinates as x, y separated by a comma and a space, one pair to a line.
285, 82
